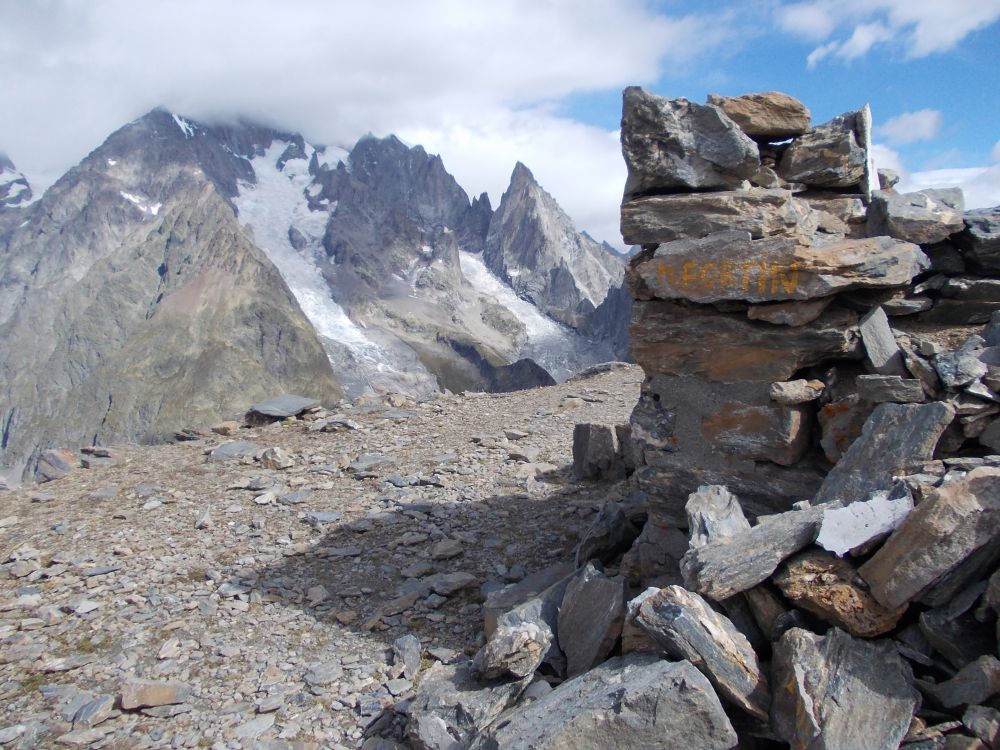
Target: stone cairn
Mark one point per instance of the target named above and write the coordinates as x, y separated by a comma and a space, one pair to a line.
809, 559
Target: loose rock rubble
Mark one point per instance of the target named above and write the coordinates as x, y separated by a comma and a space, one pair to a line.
279, 585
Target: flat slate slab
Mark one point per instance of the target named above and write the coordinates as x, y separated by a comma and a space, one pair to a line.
286, 405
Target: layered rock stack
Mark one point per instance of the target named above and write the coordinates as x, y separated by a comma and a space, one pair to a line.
781, 296
811, 558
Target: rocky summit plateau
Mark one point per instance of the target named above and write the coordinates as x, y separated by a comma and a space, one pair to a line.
778, 528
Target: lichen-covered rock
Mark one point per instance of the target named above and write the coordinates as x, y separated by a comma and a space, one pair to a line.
831, 588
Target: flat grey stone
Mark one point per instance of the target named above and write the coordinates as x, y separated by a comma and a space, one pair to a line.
924, 217
234, 450
283, 406
714, 513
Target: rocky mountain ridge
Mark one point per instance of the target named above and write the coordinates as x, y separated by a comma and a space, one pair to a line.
371, 254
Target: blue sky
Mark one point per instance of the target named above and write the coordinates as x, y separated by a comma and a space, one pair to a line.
488, 84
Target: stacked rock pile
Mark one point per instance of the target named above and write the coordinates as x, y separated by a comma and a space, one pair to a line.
810, 558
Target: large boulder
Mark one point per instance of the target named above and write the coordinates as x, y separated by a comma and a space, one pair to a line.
671, 144
636, 701
835, 692
730, 265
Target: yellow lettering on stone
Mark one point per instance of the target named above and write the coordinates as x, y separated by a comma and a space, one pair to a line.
746, 275
791, 281
726, 274
689, 273
762, 279
707, 270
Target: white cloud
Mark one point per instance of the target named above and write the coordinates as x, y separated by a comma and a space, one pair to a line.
917, 27
980, 185
910, 127
995, 152
887, 158
334, 70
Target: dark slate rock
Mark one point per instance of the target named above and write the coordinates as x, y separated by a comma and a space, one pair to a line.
895, 439
636, 701
974, 683
283, 406
590, 618
234, 450
840, 693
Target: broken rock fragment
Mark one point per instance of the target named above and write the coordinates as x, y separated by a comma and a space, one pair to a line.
955, 521
895, 439
590, 618
836, 692
736, 563
686, 627
831, 588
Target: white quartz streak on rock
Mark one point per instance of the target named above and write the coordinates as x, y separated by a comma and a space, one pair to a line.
844, 529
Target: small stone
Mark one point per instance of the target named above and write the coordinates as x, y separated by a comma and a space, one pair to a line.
446, 549
276, 458
984, 722
94, 711
406, 655
204, 520
796, 391
226, 428
254, 728
447, 584
844, 530
271, 703
282, 407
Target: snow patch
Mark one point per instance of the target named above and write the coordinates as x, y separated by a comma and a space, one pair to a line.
554, 346
141, 203
111, 162
185, 126
276, 203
